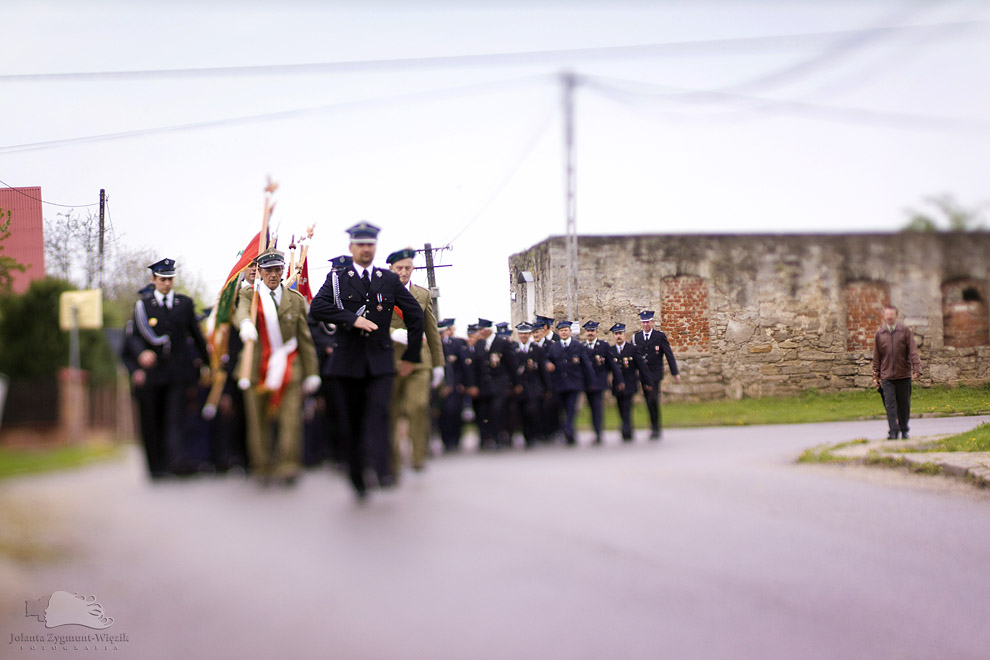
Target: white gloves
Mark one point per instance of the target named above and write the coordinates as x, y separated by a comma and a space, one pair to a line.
437, 377
400, 336
311, 384
248, 331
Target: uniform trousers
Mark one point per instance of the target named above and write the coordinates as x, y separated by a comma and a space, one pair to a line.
597, 413
161, 410
275, 454
363, 404
653, 405
569, 402
624, 403
530, 409
411, 399
450, 420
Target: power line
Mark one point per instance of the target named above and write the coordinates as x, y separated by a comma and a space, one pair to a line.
612, 88
38, 199
449, 92
510, 173
846, 45
661, 49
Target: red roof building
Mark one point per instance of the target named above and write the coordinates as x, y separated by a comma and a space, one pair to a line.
26, 242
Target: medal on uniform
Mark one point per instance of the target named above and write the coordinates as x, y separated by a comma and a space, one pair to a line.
379, 308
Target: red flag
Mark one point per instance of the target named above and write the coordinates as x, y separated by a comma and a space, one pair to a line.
228, 294
302, 283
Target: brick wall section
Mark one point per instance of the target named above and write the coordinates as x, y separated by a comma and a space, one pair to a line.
684, 314
964, 314
864, 309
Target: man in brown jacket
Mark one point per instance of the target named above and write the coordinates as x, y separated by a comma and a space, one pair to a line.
895, 362
411, 396
284, 368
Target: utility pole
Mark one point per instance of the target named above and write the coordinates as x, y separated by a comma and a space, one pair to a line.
431, 279
569, 81
103, 200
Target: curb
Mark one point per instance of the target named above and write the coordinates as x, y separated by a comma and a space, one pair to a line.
971, 466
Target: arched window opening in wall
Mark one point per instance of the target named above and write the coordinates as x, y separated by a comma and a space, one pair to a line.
864, 307
684, 314
965, 321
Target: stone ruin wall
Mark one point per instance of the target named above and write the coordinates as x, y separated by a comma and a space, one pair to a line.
763, 315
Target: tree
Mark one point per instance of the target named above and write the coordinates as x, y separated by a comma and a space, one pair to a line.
8, 265
72, 248
947, 209
33, 347
72, 252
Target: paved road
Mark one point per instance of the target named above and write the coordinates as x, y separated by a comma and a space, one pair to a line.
711, 544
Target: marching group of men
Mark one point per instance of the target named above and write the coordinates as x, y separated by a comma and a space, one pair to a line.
370, 352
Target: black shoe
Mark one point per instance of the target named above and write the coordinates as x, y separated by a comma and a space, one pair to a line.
598, 440
904, 435
892, 436
655, 435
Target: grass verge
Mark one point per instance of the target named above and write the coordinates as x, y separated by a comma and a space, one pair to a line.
824, 453
16, 462
808, 407
876, 459
976, 440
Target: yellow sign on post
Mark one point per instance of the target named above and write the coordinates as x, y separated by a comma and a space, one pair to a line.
88, 308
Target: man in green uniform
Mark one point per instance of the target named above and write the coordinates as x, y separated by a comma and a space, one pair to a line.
411, 395
284, 366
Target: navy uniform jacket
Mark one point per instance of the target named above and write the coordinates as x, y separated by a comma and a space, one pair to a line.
654, 352
572, 366
602, 363
455, 364
325, 341
361, 354
632, 366
181, 357
493, 367
531, 371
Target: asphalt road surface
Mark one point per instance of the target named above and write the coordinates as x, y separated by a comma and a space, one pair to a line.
710, 544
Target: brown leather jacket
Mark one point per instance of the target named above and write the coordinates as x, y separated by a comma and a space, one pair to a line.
895, 355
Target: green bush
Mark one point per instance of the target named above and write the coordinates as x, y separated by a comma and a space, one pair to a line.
34, 348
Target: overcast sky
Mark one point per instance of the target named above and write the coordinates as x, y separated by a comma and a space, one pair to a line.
690, 117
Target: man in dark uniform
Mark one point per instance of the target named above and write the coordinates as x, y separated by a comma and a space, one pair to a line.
603, 364
532, 384
493, 379
232, 421
359, 301
633, 370
454, 388
164, 352
328, 415
655, 347
570, 366
550, 408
